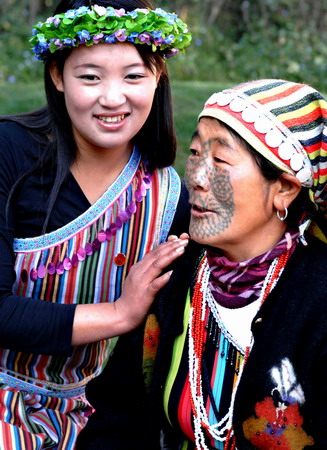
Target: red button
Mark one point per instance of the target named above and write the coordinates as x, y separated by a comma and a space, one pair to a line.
120, 259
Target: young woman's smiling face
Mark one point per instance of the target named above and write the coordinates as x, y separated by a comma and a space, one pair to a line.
232, 203
108, 93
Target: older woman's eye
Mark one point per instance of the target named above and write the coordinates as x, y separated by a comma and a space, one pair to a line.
193, 152
218, 160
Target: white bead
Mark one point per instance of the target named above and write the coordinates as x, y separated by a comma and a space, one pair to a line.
285, 151
303, 175
262, 124
249, 114
212, 100
224, 98
274, 138
296, 161
237, 105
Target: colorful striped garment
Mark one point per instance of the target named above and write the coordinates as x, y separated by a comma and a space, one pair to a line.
42, 402
227, 335
223, 357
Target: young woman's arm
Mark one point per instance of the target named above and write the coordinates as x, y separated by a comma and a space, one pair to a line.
105, 320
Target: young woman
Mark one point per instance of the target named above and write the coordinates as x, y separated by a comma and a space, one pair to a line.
241, 361
86, 190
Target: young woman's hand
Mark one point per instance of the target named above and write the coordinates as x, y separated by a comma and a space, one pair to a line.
145, 279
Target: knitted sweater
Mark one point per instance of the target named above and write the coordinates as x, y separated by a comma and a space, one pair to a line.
280, 402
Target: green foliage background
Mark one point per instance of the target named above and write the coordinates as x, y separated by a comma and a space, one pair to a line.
233, 41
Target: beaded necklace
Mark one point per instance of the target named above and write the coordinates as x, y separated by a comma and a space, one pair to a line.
221, 431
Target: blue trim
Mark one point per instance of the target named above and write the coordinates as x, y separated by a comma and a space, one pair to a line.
60, 391
171, 204
91, 215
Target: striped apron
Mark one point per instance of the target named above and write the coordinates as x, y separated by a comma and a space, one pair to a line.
42, 398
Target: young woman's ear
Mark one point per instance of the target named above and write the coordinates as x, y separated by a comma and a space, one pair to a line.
158, 76
288, 190
56, 77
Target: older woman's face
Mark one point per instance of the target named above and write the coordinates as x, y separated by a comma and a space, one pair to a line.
232, 203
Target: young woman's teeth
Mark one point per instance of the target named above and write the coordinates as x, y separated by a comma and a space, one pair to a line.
112, 119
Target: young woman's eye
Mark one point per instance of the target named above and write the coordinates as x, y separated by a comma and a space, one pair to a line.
134, 76
89, 77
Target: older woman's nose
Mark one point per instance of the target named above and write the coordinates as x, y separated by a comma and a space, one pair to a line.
197, 175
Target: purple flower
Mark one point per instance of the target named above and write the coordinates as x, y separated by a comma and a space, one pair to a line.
50, 20
57, 43
172, 52
56, 22
121, 35
144, 37
97, 38
83, 35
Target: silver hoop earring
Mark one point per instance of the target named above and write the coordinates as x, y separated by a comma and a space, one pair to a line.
285, 214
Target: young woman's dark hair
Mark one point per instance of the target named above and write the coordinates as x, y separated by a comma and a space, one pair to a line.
52, 127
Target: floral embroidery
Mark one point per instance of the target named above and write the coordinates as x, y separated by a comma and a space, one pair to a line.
277, 423
150, 345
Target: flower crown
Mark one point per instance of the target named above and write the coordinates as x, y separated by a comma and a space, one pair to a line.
163, 31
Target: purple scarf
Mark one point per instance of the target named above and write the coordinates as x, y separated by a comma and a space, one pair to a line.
236, 284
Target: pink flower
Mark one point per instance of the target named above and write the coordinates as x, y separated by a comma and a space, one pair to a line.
100, 10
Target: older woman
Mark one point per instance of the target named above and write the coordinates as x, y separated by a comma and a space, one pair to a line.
242, 356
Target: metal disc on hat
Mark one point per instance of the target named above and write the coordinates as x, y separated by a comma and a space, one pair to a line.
285, 151
237, 105
262, 124
296, 161
274, 138
249, 114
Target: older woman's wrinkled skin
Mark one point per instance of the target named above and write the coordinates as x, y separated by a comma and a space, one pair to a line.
232, 203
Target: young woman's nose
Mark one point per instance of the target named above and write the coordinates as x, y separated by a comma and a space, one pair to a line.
112, 95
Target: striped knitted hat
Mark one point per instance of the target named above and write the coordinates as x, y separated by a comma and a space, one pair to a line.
286, 122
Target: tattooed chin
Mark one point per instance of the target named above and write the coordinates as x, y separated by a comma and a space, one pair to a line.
208, 227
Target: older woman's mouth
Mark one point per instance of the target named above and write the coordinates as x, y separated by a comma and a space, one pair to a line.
196, 209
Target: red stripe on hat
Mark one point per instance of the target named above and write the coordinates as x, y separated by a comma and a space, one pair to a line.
319, 173
280, 95
307, 118
315, 147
